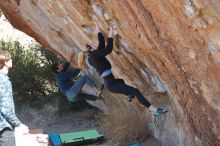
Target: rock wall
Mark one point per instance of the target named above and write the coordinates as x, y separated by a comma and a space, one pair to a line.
170, 45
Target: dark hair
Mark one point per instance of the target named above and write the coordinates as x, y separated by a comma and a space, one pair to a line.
88, 47
54, 67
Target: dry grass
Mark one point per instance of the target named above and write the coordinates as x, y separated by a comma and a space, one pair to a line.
125, 127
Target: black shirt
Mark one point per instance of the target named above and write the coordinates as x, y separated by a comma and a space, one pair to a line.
97, 58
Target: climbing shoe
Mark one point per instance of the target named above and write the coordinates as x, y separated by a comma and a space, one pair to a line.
100, 90
99, 97
130, 97
160, 111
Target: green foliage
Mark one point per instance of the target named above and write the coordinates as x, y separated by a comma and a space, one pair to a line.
31, 71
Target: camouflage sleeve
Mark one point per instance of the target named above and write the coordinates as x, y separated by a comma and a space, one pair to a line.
7, 109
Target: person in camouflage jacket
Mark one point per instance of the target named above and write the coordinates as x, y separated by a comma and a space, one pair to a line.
8, 119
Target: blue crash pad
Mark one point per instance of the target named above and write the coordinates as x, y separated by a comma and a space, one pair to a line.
55, 139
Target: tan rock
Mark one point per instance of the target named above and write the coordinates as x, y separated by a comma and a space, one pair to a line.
166, 45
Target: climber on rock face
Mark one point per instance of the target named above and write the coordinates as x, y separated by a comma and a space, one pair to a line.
70, 83
97, 59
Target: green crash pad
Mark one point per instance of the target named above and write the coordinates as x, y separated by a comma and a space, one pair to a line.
80, 137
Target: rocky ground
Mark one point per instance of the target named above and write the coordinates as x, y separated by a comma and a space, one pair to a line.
59, 116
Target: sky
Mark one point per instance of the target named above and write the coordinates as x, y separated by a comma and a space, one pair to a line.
8, 32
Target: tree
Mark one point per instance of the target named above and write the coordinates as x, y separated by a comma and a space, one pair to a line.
31, 72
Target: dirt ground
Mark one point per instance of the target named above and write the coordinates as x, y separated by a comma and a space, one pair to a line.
59, 116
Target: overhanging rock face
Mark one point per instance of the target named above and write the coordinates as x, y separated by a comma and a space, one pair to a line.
166, 45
